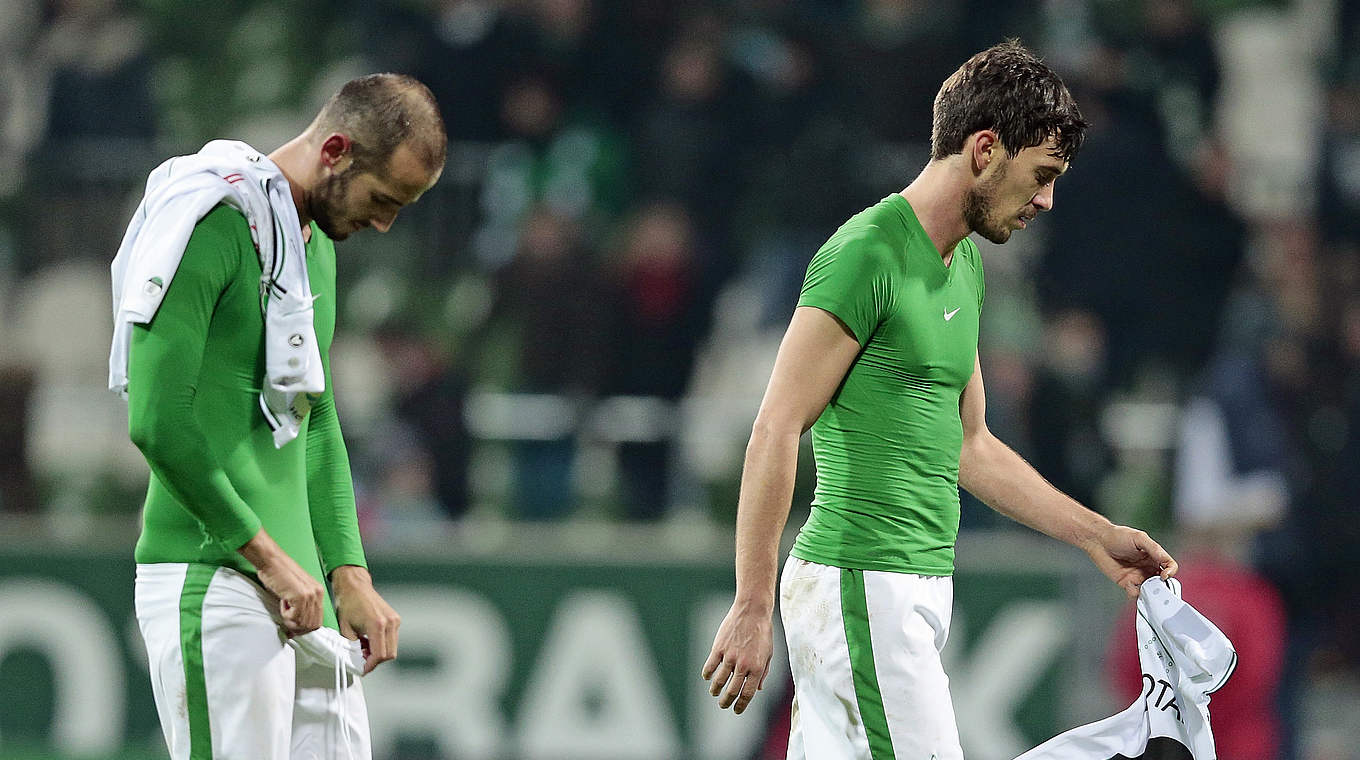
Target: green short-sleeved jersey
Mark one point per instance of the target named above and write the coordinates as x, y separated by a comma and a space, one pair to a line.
887, 445
194, 410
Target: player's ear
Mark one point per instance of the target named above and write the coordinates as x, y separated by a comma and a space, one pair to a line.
336, 152
983, 147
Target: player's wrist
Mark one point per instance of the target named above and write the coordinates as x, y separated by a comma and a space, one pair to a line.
262, 551
1096, 534
349, 577
754, 604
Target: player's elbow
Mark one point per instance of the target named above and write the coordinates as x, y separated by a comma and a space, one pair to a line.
770, 426
976, 447
149, 436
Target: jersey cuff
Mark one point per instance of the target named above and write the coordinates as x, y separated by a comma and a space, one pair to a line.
835, 309
237, 538
357, 559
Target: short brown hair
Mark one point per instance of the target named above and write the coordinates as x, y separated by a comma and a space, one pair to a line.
379, 112
1009, 90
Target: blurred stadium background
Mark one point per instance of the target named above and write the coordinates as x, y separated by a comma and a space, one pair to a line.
548, 370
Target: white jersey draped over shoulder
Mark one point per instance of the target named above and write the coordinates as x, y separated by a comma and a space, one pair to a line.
179, 193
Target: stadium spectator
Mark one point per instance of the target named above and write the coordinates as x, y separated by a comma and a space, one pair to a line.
548, 335
1247, 608
1064, 410
428, 405
659, 319
465, 50
799, 183
1339, 169
101, 119
18, 490
570, 161
686, 138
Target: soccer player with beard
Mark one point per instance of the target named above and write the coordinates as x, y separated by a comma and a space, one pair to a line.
241, 528
880, 362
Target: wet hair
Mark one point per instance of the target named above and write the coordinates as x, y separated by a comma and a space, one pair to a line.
380, 112
1009, 90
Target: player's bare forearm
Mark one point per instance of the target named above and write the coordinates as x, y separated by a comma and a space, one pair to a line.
994, 473
762, 509
740, 658
1004, 481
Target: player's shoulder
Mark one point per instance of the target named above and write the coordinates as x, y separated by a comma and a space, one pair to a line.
881, 218
855, 252
220, 240
223, 222
867, 234
870, 239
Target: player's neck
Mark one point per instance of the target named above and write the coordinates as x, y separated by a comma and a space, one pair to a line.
936, 196
291, 158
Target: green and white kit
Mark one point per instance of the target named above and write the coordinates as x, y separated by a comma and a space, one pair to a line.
866, 591
228, 682
864, 651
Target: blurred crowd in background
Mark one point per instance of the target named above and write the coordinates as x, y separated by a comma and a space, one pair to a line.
577, 322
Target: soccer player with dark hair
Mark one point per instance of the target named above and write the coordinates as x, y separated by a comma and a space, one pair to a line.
224, 306
880, 362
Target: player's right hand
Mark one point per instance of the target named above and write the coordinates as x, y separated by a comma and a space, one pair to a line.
301, 597
740, 658
1129, 556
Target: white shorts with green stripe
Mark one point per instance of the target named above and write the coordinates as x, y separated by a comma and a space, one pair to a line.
864, 648
227, 685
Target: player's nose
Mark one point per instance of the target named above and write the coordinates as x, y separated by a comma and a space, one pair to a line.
382, 223
1043, 200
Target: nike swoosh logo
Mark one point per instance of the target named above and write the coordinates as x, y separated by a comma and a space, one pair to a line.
948, 315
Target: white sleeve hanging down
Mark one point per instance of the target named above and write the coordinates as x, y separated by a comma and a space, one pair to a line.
1185, 658
179, 193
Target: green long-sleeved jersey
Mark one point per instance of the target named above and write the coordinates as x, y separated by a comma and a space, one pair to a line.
194, 377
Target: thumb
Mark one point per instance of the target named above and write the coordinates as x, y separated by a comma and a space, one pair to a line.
347, 630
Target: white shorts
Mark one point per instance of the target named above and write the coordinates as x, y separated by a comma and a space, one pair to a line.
864, 648
227, 685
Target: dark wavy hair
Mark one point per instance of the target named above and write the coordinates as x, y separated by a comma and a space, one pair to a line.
1009, 90
379, 112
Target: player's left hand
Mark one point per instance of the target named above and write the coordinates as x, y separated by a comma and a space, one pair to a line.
740, 658
1129, 557
364, 615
